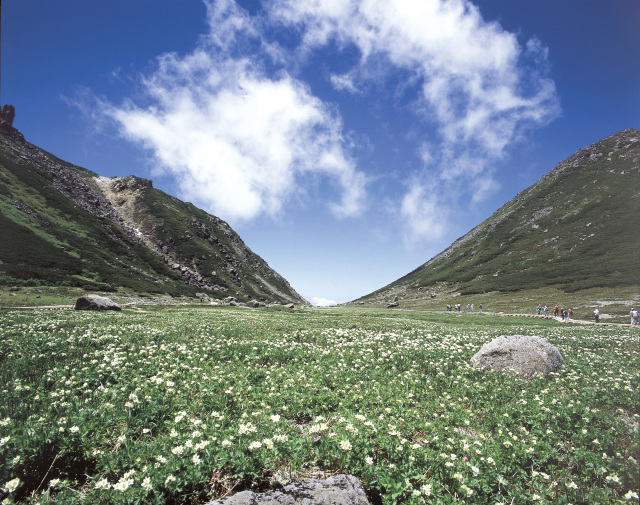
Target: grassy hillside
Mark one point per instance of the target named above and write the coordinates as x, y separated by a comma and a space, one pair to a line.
574, 230
62, 225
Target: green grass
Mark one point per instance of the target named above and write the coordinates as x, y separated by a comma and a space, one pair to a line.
184, 405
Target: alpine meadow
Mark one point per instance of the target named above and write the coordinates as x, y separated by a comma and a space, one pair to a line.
319, 252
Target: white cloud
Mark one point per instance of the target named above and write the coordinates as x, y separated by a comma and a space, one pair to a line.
476, 84
423, 213
239, 130
322, 302
236, 139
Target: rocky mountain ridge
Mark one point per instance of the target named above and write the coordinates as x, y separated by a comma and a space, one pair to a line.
159, 243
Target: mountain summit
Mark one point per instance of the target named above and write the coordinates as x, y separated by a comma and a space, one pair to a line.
65, 225
575, 229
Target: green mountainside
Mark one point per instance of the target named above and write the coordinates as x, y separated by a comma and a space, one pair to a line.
64, 225
575, 230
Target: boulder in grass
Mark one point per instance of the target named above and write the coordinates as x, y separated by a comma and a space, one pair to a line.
526, 355
335, 490
95, 302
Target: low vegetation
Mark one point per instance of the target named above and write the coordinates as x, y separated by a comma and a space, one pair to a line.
182, 405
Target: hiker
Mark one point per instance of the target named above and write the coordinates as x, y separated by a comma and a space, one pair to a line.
539, 309
570, 314
596, 314
555, 311
634, 317
546, 311
480, 307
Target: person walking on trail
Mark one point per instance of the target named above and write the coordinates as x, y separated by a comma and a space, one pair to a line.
570, 314
634, 317
546, 311
596, 314
539, 308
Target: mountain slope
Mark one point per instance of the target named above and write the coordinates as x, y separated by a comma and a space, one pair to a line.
575, 229
65, 225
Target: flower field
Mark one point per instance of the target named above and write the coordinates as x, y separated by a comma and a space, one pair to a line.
188, 405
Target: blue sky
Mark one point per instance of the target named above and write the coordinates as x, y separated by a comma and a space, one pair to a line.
347, 142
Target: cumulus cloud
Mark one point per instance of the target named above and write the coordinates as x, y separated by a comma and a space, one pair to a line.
236, 138
241, 132
475, 83
322, 302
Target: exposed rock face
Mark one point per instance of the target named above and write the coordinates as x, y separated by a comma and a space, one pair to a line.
336, 490
526, 355
95, 302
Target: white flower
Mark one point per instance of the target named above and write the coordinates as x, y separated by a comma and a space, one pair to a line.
255, 445
467, 490
630, 495
226, 443
345, 445
275, 418
12, 485
178, 450
368, 460
74, 429
146, 483
426, 489
103, 484
54, 482
123, 484
196, 459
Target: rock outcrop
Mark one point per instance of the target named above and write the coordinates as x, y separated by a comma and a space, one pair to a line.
336, 490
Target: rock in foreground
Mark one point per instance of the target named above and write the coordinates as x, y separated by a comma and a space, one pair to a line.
336, 490
524, 354
95, 302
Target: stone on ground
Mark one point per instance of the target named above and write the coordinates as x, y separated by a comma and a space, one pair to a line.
524, 354
336, 490
95, 302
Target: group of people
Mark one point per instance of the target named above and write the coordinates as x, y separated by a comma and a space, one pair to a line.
458, 307
565, 314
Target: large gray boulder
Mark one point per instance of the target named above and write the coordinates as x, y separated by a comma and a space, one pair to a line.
95, 302
525, 355
336, 490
